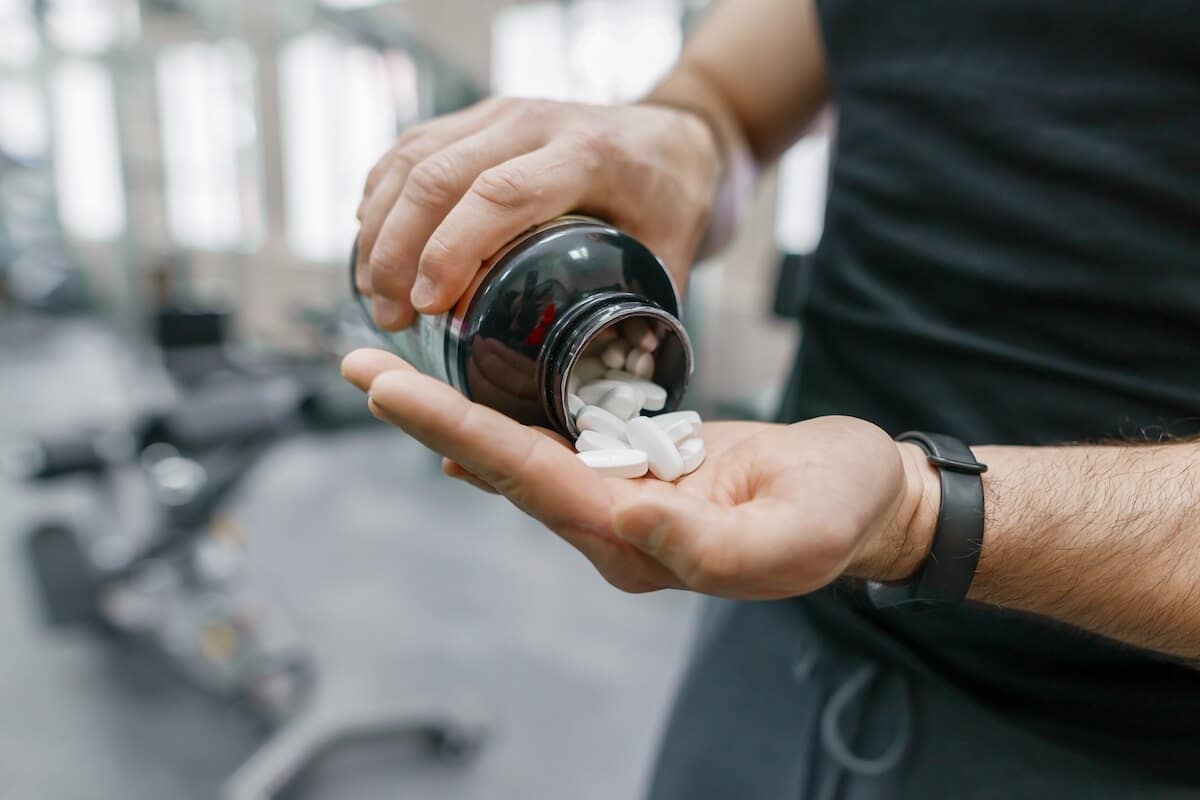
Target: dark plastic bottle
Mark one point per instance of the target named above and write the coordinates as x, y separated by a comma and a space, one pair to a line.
514, 338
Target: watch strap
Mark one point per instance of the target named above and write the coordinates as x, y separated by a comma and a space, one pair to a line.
946, 574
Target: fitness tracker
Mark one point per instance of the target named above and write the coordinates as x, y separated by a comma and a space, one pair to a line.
945, 576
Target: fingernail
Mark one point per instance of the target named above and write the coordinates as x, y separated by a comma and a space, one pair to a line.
424, 292
386, 313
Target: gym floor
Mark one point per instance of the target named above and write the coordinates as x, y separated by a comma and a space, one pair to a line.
413, 591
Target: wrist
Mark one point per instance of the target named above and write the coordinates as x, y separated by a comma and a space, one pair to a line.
724, 147
903, 544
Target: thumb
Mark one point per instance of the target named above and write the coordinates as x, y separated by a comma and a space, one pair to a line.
682, 531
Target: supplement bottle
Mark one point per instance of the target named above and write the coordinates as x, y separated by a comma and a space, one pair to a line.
519, 330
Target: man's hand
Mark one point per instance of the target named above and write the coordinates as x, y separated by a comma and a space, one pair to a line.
453, 191
774, 511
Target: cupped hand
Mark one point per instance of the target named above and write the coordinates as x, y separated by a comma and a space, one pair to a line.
774, 511
453, 191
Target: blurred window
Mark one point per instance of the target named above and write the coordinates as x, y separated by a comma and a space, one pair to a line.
341, 105
345, 4
599, 51
803, 186
88, 180
23, 130
18, 34
210, 145
529, 52
91, 26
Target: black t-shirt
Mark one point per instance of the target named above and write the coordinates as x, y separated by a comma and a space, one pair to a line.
1012, 255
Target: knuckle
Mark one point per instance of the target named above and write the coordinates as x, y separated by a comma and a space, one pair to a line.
411, 134
383, 261
437, 257
540, 112
499, 103
432, 182
600, 142
502, 187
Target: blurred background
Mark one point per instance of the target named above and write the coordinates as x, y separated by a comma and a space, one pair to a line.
218, 576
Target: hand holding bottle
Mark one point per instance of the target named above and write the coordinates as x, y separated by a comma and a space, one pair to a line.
454, 190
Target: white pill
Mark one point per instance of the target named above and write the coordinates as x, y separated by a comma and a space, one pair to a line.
591, 440
665, 461
588, 369
640, 363
667, 420
692, 453
573, 384
637, 332
575, 404
594, 392
678, 430
605, 336
614, 355
616, 463
655, 395
622, 401
594, 418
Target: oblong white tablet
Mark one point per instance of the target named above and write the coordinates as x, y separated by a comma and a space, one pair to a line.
623, 463
655, 395
588, 369
614, 355
692, 453
637, 332
622, 401
678, 430
640, 363
591, 440
575, 404
594, 418
669, 419
592, 393
664, 458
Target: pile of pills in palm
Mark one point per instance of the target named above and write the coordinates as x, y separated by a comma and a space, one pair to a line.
607, 391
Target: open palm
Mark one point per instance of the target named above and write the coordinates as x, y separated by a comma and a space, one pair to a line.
774, 511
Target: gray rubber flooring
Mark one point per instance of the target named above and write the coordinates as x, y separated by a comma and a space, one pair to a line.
412, 590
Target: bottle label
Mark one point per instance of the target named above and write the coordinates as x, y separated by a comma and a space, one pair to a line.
423, 345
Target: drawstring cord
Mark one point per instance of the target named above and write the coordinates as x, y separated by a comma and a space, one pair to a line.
837, 746
836, 736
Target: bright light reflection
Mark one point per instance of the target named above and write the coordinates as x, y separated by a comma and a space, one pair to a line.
23, 132
340, 104
205, 99
91, 194
598, 51
18, 34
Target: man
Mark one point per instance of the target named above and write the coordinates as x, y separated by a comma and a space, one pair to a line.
1012, 257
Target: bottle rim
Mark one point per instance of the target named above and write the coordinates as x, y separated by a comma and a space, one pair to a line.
568, 340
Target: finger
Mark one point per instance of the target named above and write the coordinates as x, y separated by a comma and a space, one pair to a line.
431, 189
538, 474
364, 365
430, 136
453, 469
501, 203
372, 213
386, 180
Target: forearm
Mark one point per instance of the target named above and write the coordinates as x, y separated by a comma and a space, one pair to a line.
755, 71
1103, 538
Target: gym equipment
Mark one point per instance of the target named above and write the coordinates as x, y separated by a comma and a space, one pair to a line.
174, 589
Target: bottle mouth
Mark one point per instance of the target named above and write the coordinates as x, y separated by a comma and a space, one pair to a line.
571, 337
